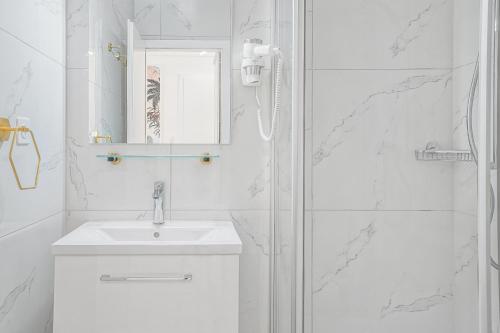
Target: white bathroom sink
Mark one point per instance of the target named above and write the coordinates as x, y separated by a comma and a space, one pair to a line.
142, 238
163, 234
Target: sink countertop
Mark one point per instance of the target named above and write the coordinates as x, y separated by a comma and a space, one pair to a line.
145, 238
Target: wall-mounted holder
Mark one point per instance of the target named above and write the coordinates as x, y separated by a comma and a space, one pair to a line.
115, 158
5, 130
116, 53
433, 153
105, 138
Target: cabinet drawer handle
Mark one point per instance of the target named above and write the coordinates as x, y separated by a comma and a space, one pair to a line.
109, 278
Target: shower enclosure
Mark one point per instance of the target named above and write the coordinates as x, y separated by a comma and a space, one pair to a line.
382, 220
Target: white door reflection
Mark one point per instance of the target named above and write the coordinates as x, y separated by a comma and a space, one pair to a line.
182, 96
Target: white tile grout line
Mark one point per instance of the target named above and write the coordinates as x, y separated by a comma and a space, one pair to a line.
32, 47
33, 224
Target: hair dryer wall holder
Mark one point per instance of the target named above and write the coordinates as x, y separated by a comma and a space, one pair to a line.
253, 61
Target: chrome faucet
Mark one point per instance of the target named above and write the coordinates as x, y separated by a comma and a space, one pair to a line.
159, 189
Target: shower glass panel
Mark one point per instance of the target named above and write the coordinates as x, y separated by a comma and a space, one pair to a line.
391, 241
284, 241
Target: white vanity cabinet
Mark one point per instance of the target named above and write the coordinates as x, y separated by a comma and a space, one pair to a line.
190, 289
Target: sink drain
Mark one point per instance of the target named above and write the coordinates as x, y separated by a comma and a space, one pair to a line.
156, 235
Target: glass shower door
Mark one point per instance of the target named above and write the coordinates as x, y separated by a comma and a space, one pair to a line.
397, 230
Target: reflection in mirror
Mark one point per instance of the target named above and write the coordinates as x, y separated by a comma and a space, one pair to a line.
183, 86
178, 92
181, 97
171, 88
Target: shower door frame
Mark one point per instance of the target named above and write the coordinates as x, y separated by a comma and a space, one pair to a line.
486, 103
296, 270
298, 158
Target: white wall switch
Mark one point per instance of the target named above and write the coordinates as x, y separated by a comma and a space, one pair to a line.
23, 138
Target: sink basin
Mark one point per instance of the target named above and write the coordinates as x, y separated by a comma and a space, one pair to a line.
162, 234
142, 237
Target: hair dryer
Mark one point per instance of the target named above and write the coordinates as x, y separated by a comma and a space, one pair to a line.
252, 64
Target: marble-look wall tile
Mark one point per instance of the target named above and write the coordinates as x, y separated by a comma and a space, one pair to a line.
110, 112
26, 288
196, 18
77, 105
462, 79
466, 23
37, 23
77, 33
166, 19
365, 122
93, 183
393, 270
31, 85
113, 14
366, 126
382, 34
240, 179
251, 19
253, 228
108, 24
148, 17
465, 282
465, 174
465, 49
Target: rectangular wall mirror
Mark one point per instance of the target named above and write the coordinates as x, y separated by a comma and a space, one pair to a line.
172, 86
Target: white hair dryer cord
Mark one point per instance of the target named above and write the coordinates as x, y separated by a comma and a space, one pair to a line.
277, 100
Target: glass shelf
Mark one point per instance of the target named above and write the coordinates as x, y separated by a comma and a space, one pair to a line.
115, 158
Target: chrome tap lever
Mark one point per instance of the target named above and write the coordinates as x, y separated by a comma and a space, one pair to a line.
158, 216
159, 188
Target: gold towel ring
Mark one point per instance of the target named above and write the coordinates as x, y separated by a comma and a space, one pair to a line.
5, 131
